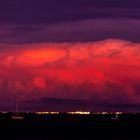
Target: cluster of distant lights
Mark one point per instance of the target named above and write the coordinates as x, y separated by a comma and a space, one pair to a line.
72, 113
80, 112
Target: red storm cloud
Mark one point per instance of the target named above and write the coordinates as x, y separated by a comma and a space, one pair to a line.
107, 70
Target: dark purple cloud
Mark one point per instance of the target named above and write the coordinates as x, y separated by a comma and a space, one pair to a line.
71, 31
23, 21
24, 11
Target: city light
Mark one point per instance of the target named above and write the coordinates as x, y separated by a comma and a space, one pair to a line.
47, 112
78, 112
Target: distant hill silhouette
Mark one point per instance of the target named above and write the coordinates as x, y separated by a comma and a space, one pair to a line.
56, 104
65, 105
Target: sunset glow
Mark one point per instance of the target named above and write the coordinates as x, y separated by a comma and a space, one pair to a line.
107, 70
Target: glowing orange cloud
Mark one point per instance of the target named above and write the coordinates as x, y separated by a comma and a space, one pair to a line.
107, 69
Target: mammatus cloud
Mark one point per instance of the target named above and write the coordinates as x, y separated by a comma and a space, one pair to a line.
106, 70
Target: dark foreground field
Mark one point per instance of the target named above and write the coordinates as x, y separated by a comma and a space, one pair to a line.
70, 127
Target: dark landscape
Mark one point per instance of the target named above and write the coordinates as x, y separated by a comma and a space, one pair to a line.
63, 126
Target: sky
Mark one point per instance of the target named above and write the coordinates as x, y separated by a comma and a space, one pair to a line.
71, 50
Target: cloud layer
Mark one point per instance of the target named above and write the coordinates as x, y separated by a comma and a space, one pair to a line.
104, 71
52, 11
84, 30
81, 20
